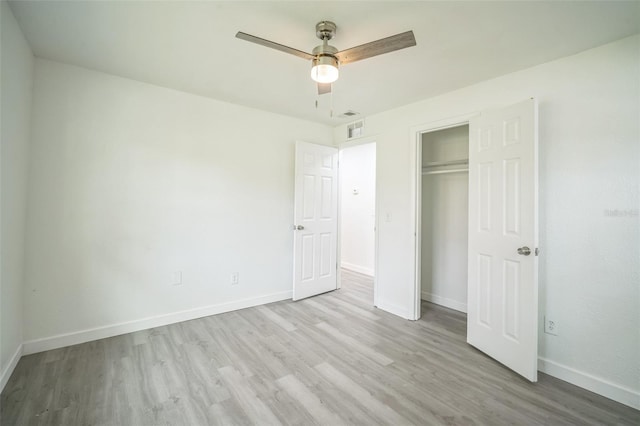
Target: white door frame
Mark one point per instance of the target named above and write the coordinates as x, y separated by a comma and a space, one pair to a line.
416, 194
350, 144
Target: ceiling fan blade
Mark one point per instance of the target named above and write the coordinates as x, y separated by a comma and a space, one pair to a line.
274, 45
378, 47
324, 88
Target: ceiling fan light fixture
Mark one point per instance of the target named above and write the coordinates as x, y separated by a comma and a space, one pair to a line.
324, 69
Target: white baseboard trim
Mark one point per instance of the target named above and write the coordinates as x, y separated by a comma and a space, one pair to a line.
594, 384
443, 301
357, 268
8, 369
83, 336
394, 309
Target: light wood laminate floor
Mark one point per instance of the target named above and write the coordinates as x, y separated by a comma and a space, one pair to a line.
332, 359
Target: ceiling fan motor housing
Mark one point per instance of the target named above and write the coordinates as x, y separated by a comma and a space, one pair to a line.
324, 50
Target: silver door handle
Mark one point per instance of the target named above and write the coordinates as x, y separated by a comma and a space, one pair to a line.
298, 228
525, 251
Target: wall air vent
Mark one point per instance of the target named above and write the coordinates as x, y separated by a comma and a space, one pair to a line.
355, 129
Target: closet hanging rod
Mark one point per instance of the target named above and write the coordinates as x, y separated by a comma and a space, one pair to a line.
439, 172
446, 163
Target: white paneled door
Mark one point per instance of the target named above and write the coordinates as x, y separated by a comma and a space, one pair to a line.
503, 236
315, 220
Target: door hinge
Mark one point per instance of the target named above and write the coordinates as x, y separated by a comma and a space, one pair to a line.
537, 251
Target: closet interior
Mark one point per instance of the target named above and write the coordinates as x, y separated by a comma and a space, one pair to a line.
444, 220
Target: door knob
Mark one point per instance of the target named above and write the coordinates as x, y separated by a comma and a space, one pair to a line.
525, 251
299, 227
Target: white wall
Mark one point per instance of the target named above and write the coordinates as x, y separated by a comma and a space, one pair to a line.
358, 211
132, 182
589, 166
17, 74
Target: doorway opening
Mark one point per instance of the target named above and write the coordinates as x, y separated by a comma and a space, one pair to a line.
357, 213
443, 200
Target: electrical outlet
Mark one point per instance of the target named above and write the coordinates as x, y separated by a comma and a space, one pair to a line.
235, 278
550, 326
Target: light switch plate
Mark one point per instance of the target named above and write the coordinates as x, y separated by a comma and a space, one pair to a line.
176, 278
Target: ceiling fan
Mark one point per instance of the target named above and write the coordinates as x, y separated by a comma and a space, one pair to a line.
325, 59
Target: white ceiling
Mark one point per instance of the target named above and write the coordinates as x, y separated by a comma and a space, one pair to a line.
191, 46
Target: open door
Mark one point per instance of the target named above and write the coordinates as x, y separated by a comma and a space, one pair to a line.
316, 220
502, 314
